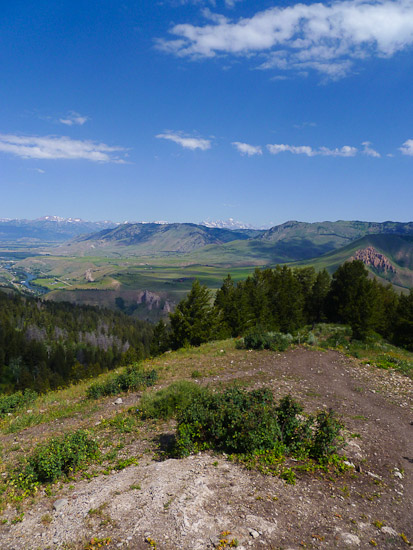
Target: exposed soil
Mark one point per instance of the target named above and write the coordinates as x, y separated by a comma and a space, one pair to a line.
186, 504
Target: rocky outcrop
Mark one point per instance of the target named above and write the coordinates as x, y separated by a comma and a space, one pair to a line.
88, 276
152, 300
371, 257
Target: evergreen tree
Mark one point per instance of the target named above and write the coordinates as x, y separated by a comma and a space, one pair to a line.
403, 329
351, 298
317, 300
193, 322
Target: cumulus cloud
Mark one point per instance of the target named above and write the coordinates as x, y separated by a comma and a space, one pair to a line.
324, 37
345, 151
74, 118
407, 148
247, 149
186, 142
369, 151
55, 147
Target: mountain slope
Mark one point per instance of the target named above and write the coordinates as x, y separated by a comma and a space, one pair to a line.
389, 257
331, 235
151, 238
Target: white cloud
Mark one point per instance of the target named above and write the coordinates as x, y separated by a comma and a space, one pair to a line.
74, 118
247, 149
54, 147
300, 150
186, 142
325, 37
407, 148
369, 151
345, 151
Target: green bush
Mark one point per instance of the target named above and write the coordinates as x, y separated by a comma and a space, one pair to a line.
15, 401
245, 422
275, 341
166, 402
133, 378
323, 443
59, 456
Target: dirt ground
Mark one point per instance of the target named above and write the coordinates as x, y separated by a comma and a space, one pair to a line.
188, 503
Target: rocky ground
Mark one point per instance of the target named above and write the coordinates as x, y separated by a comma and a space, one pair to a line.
194, 503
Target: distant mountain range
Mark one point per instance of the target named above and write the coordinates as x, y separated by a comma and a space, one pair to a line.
47, 230
386, 248
230, 223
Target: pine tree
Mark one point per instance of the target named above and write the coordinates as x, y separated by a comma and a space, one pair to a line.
193, 322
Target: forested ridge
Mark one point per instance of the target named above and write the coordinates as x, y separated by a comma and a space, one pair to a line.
45, 345
287, 299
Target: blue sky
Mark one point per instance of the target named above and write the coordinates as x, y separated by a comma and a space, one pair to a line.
183, 110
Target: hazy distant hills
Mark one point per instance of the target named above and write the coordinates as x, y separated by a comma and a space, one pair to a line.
46, 230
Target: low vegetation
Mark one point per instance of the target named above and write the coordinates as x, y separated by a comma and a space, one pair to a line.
167, 402
55, 458
16, 401
242, 422
134, 377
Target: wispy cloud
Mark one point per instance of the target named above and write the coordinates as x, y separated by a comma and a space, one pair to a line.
247, 149
74, 118
186, 142
345, 151
55, 147
304, 125
324, 37
407, 148
369, 151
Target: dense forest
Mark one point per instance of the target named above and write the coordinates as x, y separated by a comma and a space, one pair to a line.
45, 345
287, 299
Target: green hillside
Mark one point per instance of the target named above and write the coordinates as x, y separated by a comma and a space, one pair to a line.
398, 249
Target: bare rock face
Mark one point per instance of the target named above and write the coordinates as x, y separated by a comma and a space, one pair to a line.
152, 300
88, 276
371, 257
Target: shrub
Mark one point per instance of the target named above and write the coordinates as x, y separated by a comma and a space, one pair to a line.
133, 378
59, 456
15, 401
247, 422
275, 341
166, 402
324, 444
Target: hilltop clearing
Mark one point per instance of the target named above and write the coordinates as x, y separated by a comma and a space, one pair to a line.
133, 497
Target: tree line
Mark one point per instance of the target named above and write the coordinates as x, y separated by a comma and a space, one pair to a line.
46, 345
287, 299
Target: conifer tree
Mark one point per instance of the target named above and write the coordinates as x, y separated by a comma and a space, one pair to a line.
193, 322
